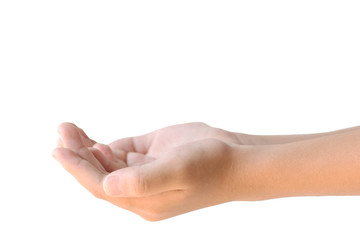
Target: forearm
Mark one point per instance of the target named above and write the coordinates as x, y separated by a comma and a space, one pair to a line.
327, 165
248, 139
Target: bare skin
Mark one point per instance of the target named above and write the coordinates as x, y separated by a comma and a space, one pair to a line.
185, 167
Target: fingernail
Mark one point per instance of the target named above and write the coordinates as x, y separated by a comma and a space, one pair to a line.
111, 185
53, 154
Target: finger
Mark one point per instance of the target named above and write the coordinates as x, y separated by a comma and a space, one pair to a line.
70, 136
134, 159
138, 144
108, 164
84, 137
143, 180
71, 139
112, 161
89, 142
119, 154
83, 171
105, 150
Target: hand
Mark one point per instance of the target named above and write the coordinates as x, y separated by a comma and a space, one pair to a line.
158, 175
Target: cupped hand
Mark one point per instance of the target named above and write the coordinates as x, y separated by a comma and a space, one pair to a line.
158, 175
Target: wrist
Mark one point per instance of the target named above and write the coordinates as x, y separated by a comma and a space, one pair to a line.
255, 176
248, 139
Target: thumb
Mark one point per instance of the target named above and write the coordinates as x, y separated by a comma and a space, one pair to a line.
141, 180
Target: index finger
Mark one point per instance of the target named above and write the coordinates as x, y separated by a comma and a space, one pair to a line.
71, 136
139, 144
71, 139
84, 172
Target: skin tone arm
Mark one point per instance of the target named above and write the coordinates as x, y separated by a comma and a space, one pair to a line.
322, 166
185, 167
248, 139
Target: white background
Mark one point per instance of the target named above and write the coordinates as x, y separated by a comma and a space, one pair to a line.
123, 68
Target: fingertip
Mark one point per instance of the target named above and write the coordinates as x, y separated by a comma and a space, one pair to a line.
101, 146
97, 145
56, 152
63, 126
70, 136
105, 150
105, 186
120, 154
110, 185
99, 156
94, 151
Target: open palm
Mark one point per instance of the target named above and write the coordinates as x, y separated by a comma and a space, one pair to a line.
138, 150
152, 174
